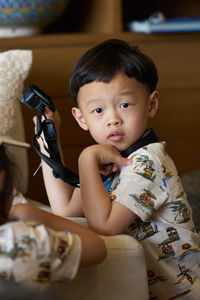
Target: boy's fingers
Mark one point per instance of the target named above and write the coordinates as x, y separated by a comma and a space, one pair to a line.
124, 161
47, 110
34, 119
128, 162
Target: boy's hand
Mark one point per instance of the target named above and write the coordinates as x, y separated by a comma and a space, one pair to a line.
106, 156
54, 116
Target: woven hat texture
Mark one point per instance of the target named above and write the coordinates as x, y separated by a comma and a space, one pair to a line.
14, 69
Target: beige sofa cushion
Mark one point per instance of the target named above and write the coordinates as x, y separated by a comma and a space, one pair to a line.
14, 69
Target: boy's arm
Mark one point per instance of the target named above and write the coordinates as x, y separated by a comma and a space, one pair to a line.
103, 215
64, 199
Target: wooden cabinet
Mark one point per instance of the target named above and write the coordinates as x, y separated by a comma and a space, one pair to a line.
177, 59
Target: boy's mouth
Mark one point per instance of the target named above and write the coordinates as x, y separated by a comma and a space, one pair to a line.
115, 137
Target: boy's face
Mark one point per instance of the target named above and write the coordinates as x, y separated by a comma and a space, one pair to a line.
117, 112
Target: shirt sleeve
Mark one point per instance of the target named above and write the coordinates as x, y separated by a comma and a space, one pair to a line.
140, 186
30, 251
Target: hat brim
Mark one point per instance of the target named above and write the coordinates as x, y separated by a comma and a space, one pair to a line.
9, 141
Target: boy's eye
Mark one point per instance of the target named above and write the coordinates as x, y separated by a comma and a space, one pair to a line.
98, 110
124, 105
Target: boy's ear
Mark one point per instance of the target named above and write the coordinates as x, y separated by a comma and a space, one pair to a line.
153, 103
79, 118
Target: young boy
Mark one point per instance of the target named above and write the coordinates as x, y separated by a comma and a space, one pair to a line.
114, 87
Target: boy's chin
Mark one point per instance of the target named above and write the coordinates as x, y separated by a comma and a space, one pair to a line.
120, 148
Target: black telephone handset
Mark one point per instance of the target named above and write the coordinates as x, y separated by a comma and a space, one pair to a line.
34, 98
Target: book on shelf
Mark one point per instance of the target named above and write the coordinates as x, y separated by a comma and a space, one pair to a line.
157, 23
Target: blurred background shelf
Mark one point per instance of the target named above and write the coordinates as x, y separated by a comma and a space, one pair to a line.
109, 16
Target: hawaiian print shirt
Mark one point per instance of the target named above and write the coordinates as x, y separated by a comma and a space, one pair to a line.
151, 188
30, 252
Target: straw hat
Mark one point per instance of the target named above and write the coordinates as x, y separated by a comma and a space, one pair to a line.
14, 69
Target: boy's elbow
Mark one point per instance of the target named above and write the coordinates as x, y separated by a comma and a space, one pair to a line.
104, 229
68, 212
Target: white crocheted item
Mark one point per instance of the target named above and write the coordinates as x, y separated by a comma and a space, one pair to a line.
14, 69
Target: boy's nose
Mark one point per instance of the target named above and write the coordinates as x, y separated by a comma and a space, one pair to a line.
114, 119
114, 122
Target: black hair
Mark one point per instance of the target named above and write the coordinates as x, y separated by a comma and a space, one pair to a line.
7, 166
101, 63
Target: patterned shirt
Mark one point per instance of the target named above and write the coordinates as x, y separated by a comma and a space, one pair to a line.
151, 188
31, 253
